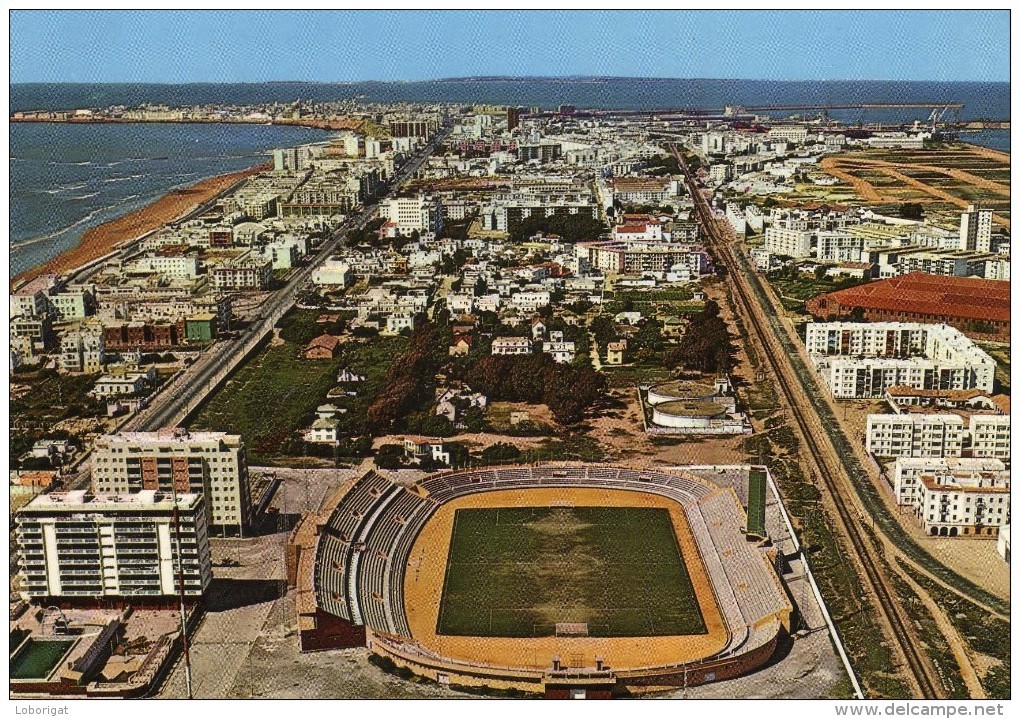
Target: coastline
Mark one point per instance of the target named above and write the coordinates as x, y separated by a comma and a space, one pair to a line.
991, 152
326, 123
105, 238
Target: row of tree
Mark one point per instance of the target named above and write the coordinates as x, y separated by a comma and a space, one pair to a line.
706, 345
410, 380
537, 379
571, 228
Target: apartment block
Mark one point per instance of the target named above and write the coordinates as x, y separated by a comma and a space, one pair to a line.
244, 273
906, 470
976, 229
789, 242
858, 360
92, 546
413, 214
970, 504
990, 436
511, 346
211, 463
914, 435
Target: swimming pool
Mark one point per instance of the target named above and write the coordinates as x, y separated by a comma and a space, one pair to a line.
37, 657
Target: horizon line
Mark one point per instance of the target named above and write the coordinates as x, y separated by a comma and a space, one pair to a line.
496, 78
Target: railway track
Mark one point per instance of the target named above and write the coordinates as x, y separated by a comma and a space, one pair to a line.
922, 673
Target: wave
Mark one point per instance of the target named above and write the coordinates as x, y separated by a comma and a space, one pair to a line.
121, 178
83, 197
76, 186
73, 225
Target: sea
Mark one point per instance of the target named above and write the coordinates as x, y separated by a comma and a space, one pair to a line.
66, 179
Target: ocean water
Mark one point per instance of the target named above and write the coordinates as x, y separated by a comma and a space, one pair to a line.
981, 99
66, 179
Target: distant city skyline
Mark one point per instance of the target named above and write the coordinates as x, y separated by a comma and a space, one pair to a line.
353, 46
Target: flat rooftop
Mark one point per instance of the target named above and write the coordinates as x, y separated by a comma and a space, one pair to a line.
164, 436
78, 500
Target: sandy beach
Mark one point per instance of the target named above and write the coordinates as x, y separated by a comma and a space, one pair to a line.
104, 238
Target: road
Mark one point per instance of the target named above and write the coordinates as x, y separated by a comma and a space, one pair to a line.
821, 458
176, 401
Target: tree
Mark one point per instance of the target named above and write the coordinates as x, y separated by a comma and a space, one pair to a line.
500, 452
603, 329
389, 456
707, 345
537, 379
570, 227
912, 211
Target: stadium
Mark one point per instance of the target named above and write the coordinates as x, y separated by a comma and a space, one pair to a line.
559, 580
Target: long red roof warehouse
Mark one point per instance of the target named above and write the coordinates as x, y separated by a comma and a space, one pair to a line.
920, 297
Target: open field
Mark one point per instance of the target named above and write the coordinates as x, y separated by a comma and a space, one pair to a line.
944, 179
1000, 353
519, 571
275, 392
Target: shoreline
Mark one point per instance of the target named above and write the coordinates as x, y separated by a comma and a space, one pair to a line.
103, 239
326, 123
1002, 155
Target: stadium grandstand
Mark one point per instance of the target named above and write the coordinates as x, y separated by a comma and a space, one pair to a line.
353, 566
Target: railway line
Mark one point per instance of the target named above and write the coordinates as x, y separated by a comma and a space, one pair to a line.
921, 672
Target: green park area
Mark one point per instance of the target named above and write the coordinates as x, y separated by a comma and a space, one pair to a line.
276, 391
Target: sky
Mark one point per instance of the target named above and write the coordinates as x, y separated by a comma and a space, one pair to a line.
347, 46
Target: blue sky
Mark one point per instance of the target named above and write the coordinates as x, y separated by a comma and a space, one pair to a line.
242, 46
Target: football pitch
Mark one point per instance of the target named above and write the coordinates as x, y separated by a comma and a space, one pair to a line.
518, 572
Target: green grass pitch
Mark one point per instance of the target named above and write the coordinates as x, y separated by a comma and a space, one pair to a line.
517, 572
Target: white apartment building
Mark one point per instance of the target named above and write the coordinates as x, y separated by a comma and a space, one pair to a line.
530, 301
333, 272
836, 246
786, 241
906, 470
914, 435
395, 323
409, 214
125, 383
211, 463
857, 360
72, 304
790, 133
178, 267
966, 504
87, 546
511, 346
976, 229
30, 300
997, 269
560, 351
246, 272
633, 258
82, 350
990, 436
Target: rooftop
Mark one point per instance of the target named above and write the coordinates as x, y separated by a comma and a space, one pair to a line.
917, 292
164, 436
85, 499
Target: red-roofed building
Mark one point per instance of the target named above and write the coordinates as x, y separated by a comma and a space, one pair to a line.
977, 307
322, 347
